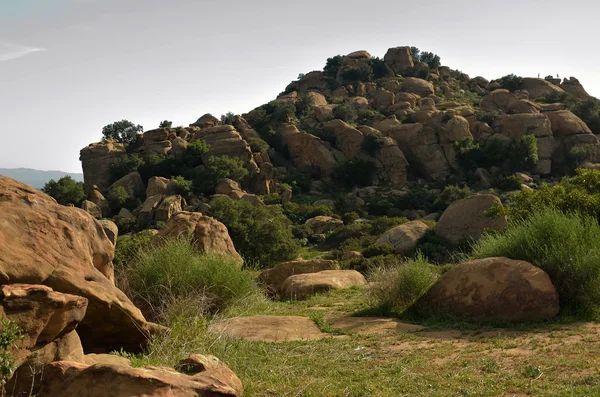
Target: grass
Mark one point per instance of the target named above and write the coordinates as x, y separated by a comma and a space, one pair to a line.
563, 245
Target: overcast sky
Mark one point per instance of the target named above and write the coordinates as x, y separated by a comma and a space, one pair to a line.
69, 67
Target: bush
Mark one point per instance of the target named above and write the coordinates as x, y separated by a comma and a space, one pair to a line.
227, 118
417, 199
511, 82
344, 112
216, 169
258, 145
380, 68
578, 155
332, 67
563, 245
439, 250
355, 172
450, 194
509, 183
512, 157
261, 234
159, 165
182, 186
350, 217
281, 111
300, 213
65, 191
355, 74
128, 249
176, 269
192, 157
383, 224
10, 333
377, 250
165, 124
124, 165
431, 59
119, 198
122, 131
398, 286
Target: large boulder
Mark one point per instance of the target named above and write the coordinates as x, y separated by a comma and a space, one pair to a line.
69, 379
393, 161
403, 237
383, 99
574, 87
170, 206
469, 217
308, 151
347, 139
66, 249
322, 224
494, 289
399, 59
111, 230
160, 185
538, 88
207, 234
206, 121
132, 183
273, 278
225, 140
96, 160
564, 123
301, 286
417, 86
147, 210
98, 198
499, 99
91, 209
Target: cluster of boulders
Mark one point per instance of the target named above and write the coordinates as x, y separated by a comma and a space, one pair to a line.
57, 286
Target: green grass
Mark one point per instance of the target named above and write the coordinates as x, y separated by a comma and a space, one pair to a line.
565, 246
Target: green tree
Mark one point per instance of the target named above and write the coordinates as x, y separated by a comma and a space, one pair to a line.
123, 131
65, 191
227, 118
165, 124
218, 168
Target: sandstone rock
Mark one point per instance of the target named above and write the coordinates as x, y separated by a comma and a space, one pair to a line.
523, 106
351, 255
322, 113
469, 217
574, 87
111, 230
206, 121
495, 289
227, 186
269, 328
105, 359
517, 125
549, 107
273, 278
170, 206
317, 98
91, 209
96, 160
312, 80
323, 224
399, 59
97, 198
252, 199
383, 99
538, 88
300, 286
66, 249
68, 379
499, 99
132, 183
403, 237
225, 140
417, 86
393, 160
564, 123
178, 147
413, 99
307, 150
359, 102
485, 179
159, 185
348, 139
208, 234
147, 210
210, 366
385, 125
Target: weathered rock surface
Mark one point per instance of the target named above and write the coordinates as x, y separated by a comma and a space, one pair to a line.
495, 289
300, 286
66, 249
111, 230
308, 151
322, 224
95, 162
393, 161
131, 183
91, 209
207, 234
399, 59
159, 185
469, 217
269, 328
417, 86
403, 237
274, 278
500, 99
347, 139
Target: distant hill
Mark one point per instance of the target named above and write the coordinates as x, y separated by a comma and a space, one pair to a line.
37, 178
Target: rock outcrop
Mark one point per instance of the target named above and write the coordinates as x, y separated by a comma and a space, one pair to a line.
301, 286
96, 160
274, 278
404, 237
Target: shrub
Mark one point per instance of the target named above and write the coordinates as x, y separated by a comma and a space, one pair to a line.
384, 223
300, 213
372, 143
563, 245
377, 250
261, 234
514, 156
119, 198
355, 74
450, 194
417, 199
332, 67
124, 165
350, 217
357, 243
282, 111
258, 145
192, 157
511, 82
10, 333
257, 118
355, 172
380, 68
165, 124
304, 106
227, 118
128, 249
176, 269
123, 131
65, 191
299, 181
345, 112
578, 155
216, 169
398, 286
439, 250
431, 59
468, 153
159, 165
182, 186
509, 183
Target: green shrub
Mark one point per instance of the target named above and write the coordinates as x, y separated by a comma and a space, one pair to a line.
509, 183
228, 118
354, 230
355, 74
380, 68
192, 157
124, 165
355, 172
258, 145
450, 194
10, 333
512, 157
332, 67
217, 169
511, 82
383, 224
257, 118
350, 217
439, 250
123, 131
165, 124
358, 243
305, 106
578, 155
398, 286
65, 191
261, 234
281, 111
377, 250
417, 199
159, 165
118, 198
182, 186
345, 112
563, 245
176, 269
300, 213
128, 249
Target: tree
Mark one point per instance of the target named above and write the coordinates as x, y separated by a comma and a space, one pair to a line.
219, 168
165, 124
65, 191
123, 131
227, 118
431, 59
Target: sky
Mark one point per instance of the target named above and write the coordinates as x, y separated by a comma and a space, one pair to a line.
69, 67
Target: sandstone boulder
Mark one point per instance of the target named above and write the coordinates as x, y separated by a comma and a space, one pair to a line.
523, 106
495, 289
92, 209
322, 224
159, 185
206, 121
564, 123
574, 87
538, 88
301, 286
98, 198
273, 278
132, 183
417, 86
96, 160
307, 150
170, 206
393, 161
403, 237
208, 234
147, 210
347, 139
383, 99
399, 59
500, 99
66, 249
111, 230
469, 217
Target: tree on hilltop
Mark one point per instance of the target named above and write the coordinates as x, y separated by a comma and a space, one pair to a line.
123, 131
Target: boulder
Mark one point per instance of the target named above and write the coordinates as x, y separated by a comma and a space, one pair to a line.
494, 289
317, 98
96, 160
103, 358
322, 224
347, 139
160, 185
574, 87
147, 210
308, 151
170, 206
66, 249
312, 80
208, 234
403, 237
393, 161
69, 379
523, 106
383, 99
178, 147
111, 230
322, 113
91, 209
538, 88
417, 86
132, 183
500, 99
98, 198
225, 140
469, 217
273, 278
301, 286
206, 121
399, 59
210, 365
564, 123
227, 187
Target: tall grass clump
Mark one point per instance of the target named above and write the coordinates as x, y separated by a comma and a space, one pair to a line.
564, 245
175, 269
396, 287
